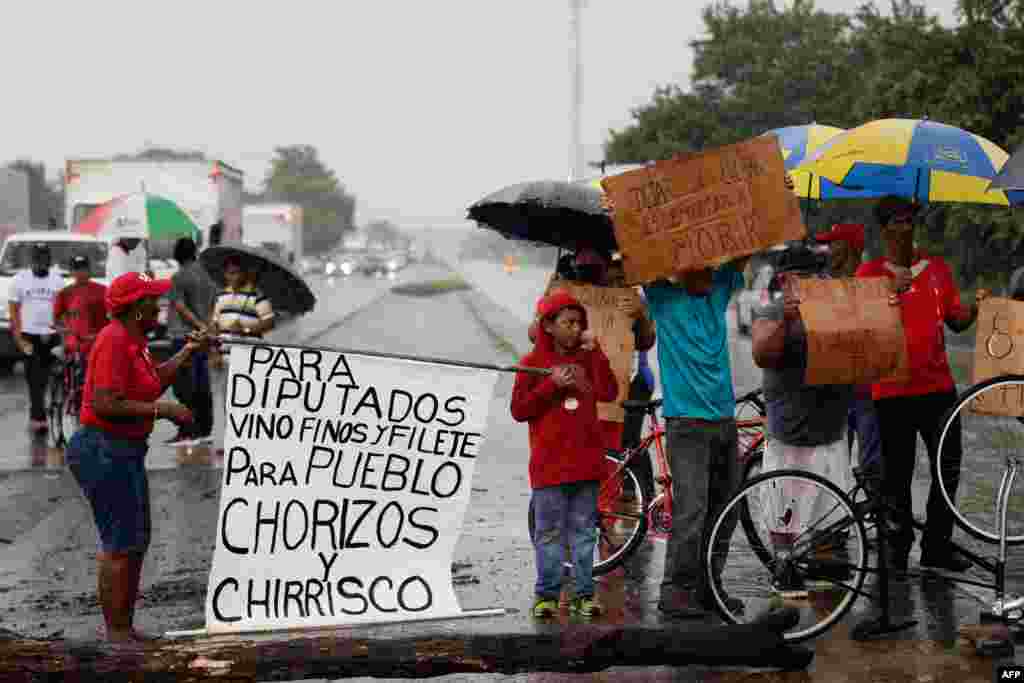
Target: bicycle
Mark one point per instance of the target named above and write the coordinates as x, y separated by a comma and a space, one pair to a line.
67, 381
826, 555
623, 528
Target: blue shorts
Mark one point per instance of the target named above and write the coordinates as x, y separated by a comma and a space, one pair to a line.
112, 475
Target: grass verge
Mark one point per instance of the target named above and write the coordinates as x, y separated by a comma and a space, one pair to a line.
432, 287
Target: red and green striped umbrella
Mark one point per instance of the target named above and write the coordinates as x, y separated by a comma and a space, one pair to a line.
142, 215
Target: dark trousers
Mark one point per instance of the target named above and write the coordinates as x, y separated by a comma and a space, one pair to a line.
632, 431
705, 472
192, 388
901, 419
863, 424
37, 372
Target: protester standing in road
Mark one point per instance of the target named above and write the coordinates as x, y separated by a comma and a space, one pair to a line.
929, 299
846, 249
30, 308
566, 452
80, 308
241, 308
191, 299
806, 425
106, 455
127, 255
593, 267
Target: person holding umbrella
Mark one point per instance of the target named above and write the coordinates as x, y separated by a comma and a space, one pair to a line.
120, 404
924, 287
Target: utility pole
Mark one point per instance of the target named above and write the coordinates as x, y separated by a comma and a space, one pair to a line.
575, 91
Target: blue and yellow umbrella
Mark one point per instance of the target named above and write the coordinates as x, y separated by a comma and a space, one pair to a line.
797, 143
918, 159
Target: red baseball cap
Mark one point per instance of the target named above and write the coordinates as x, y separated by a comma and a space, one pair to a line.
128, 288
851, 233
556, 301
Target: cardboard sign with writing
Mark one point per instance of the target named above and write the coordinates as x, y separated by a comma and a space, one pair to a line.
999, 350
614, 331
854, 336
702, 210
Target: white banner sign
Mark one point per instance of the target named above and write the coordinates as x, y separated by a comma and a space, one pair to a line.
346, 479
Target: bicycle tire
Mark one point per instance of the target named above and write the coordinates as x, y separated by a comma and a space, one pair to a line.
56, 406
962, 402
637, 536
858, 528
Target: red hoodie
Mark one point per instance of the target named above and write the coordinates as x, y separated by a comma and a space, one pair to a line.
565, 445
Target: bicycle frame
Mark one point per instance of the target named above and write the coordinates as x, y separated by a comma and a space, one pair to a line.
664, 475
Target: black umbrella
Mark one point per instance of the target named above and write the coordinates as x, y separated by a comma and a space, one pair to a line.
1011, 176
550, 212
285, 288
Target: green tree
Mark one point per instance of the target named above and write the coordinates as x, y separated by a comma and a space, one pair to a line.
297, 175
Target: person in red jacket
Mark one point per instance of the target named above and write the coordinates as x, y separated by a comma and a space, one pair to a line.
566, 450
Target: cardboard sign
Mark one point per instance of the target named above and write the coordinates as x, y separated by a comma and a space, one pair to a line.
702, 210
854, 336
999, 350
346, 480
614, 331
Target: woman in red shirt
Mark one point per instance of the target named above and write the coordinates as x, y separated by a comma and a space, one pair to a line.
106, 455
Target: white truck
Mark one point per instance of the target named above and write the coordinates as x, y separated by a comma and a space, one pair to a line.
209, 191
14, 202
275, 227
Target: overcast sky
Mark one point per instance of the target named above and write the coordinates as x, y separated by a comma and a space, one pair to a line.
420, 107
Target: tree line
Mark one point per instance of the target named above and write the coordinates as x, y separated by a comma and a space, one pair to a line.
759, 67
296, 175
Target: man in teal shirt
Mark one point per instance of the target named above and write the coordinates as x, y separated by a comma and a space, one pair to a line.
699, 410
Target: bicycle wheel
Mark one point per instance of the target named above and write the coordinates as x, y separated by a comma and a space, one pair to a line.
55, 407
988, 439
817, 545
752, 468
621, 529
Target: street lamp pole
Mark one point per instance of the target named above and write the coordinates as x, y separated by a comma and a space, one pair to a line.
575, 91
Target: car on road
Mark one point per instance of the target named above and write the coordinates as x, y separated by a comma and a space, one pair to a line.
383, 262
344, 263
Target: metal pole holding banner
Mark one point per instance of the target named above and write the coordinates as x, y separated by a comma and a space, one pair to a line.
236, 341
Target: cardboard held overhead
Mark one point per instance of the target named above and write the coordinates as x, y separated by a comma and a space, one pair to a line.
702, 210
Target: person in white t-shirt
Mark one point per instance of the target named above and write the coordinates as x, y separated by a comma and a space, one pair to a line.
127, 255
31, 300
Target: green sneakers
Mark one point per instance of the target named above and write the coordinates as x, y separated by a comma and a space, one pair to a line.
545, 608
585, 606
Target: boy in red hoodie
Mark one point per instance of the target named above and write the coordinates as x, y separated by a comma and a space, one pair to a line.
566, 451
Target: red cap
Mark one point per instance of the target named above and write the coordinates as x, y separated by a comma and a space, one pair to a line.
128, 288
851, 233
556, 301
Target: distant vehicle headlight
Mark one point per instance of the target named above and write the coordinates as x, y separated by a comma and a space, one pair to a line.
331, 267
346, 268
392, 265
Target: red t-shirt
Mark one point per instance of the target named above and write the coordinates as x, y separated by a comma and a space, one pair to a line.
120, 362
84, 312
932, 298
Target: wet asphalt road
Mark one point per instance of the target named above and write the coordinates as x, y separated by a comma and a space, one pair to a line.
47, 575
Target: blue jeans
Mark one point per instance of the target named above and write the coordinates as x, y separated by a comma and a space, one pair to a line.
567, 511
112, 474
864, 423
